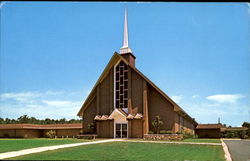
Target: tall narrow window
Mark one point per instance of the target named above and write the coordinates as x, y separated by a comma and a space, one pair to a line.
121, 85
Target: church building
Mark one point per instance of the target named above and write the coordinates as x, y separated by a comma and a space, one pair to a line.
123, 103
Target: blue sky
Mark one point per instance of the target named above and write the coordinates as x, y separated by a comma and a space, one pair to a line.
52, 53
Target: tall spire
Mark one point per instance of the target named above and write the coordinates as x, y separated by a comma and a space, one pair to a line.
125, 49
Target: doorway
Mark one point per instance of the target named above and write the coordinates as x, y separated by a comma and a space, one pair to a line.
121, 130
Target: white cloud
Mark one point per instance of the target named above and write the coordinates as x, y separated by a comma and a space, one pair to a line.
225, 98
19, 96
231, 114
59, 103
52, 104
25, 96
177, 99
195, 96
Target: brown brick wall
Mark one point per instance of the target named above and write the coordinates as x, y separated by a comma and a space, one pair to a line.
208, 133
159, 106
176, 127
7, 133
136, 128
67, 132
63, 132
183, 125
106, 94
21, 133
137, 92
105, 129
88, 115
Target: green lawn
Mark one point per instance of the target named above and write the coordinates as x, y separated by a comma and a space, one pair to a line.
189, 140
7, 145
202, 140
131, 151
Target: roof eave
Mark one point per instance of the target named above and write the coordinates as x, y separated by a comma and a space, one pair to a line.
112, 60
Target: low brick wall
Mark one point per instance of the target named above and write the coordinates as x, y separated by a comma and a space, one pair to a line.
163, 137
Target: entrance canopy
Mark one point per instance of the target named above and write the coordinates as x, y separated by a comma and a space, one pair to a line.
118, 115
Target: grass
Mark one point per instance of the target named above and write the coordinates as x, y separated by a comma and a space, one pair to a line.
202, 140
131, 151
7, 145
195, 140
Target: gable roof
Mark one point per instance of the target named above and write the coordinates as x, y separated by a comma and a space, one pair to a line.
114, 59
209, 126
119, 111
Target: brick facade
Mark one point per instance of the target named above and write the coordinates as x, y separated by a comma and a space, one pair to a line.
143, 98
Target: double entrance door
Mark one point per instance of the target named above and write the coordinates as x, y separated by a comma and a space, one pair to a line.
121, 130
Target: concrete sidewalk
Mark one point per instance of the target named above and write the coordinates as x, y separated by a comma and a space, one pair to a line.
46, 148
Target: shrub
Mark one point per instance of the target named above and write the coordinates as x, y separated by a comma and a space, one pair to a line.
243, 134
51, 134
166, 132
235, 134
157, 124
187, 135
150, 132
91, 127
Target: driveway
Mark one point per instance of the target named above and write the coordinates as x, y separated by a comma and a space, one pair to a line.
239, 149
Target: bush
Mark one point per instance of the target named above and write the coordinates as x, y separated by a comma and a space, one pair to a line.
157, 123
51, 134
91, 127
243, 134
150, 132
187, 135
231, 134
166, 132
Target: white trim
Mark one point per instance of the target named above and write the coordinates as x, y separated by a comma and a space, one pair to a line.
116, 110
120, 130
115, 81
114, 130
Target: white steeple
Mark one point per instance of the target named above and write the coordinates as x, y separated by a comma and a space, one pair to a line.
125, 49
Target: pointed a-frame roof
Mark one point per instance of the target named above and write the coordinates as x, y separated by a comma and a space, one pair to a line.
119, 111
114, 59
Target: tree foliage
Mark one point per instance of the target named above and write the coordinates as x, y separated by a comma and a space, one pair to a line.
91, 127
157, 124
32, 120
50, 134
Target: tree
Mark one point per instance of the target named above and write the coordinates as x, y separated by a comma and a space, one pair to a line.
1, 120
23, 119
91, 127
157, 124
32, 120
51, 134
62, 121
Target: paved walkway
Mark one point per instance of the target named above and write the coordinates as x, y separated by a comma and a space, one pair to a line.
239, 149
46, 148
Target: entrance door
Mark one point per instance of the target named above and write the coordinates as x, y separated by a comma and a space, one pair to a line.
121, 130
